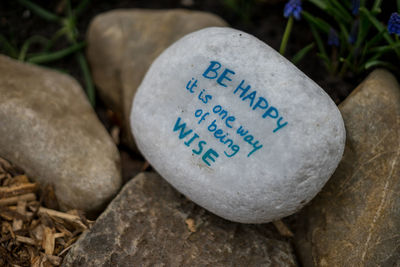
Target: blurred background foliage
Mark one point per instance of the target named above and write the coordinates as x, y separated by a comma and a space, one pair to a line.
333, 42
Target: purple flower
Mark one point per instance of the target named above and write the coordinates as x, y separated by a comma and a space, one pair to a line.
333, 39
355, 6
293, 8
394, 24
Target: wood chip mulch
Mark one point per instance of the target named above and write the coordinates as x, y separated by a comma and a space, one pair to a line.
33, 232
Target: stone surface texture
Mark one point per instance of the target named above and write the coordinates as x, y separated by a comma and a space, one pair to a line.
151, 224
122, 44
355, 220
277, 179
48, 128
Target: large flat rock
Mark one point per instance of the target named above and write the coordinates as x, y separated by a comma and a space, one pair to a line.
151, 224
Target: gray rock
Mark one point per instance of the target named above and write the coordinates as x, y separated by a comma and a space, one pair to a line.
355, 220
151, 224
122, 44
50, 130
236, 127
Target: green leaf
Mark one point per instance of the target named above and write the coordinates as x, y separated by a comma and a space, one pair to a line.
49, 57
344, 31
374, 57
27, 44
381, 29
336, 12
55, 37
363, 29
370, 43
302, 53
384, 49
319, 3
322, 52
338, 9
319, 23
378, 25
376, 8
44, 14
318, 40
378, 63
374, 41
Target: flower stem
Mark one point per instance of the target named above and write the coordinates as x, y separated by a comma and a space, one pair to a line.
286, 35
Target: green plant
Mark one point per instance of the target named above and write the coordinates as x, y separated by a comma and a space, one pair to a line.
293, 9
357, 40
68, 30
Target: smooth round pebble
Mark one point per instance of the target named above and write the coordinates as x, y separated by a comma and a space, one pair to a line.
236, 127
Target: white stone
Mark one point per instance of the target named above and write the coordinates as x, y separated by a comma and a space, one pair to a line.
290, 157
